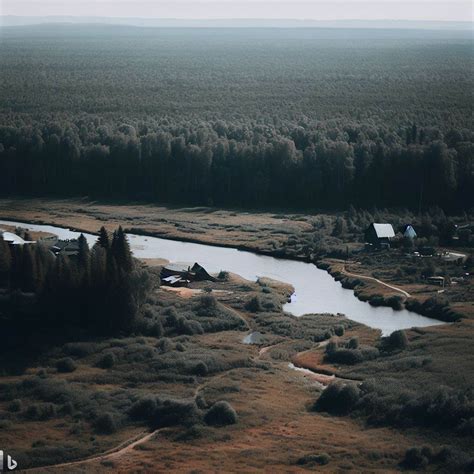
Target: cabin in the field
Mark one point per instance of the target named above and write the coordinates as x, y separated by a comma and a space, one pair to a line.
175, 274
379, 235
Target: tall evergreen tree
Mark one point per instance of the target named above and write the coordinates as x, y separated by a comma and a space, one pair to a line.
29, 281
5, 263
121, 250
83, 254
103, 240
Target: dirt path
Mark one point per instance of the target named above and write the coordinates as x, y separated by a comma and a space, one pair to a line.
123, 448
346, 272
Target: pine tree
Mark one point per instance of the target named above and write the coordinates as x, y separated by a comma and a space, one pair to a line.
29, 281
103, 240
84, 254
121, 250
5, 263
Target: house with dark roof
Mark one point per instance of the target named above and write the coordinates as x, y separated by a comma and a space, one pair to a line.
70, 248
379, 235
186, 271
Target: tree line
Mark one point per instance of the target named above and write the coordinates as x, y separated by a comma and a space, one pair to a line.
245, 163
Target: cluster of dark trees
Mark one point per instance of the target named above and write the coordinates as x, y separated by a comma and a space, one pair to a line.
249, 164
97, 291
242, 117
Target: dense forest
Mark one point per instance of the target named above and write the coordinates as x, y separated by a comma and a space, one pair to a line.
307, 118
98, 291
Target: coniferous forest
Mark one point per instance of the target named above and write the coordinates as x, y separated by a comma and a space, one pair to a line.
302, 118
96, 292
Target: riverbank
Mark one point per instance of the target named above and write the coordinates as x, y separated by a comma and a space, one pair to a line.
271, 234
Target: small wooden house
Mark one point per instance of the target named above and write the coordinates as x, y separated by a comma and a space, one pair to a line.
379, 235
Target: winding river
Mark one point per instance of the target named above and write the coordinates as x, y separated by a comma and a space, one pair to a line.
315, 290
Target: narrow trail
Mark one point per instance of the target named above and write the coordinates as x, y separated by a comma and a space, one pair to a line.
364, 277
120, 450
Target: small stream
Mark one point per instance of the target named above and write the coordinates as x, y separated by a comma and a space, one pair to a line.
315, 290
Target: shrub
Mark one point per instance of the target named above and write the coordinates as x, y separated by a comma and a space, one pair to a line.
398, 340
414, 459
106, 361
201, 402
170, 412
207, 301
41, 411
254, 305
143, 409
164, 345
353, 343
395, 302
66, 365
105, 424
223, 275
200, 369
220, 414
339, 330
149, 328
321, 459
331, 347
15, 406
189, 327
338, 398
345, 356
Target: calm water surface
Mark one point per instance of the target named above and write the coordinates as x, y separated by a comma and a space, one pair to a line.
315, 290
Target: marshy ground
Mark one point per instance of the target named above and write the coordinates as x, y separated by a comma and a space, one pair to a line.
52, 412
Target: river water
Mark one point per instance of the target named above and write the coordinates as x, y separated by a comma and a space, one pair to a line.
315, 290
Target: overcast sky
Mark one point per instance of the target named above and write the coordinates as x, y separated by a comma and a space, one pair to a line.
451, 10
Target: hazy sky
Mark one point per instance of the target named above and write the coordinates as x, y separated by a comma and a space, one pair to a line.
453, 10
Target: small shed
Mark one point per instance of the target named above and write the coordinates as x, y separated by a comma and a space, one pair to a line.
379, 234
409, 232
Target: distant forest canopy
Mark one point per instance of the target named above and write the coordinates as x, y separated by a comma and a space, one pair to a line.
299, 118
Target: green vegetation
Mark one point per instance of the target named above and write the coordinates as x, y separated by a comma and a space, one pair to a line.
237, 118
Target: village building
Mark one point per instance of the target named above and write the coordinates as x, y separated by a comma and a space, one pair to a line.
70, 248
180, 274
379, 235
12, 239
409, 232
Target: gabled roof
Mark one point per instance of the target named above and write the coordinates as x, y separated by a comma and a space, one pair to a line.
409, 231
384, 230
